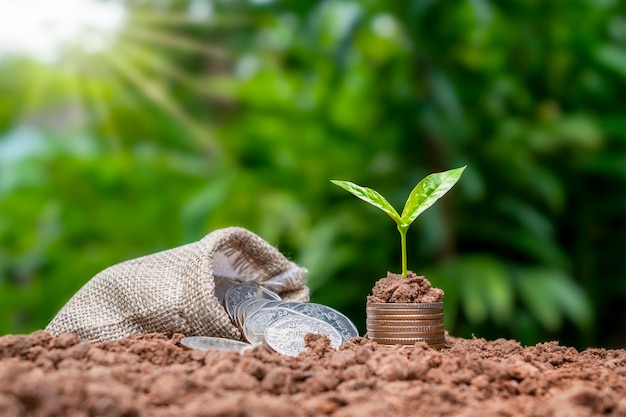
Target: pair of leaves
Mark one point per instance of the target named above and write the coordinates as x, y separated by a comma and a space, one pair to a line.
424, 195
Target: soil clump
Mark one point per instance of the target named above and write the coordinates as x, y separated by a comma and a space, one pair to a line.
412, 289
151, 375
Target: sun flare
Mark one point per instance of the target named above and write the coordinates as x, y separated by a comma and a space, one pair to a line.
41, 29
100, 59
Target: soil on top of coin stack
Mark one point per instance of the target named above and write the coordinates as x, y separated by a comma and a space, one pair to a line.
412, 289
152, 375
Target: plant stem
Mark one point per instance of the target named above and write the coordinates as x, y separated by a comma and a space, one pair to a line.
403, 231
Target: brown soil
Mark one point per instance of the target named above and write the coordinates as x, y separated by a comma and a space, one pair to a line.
412, 289
150, 375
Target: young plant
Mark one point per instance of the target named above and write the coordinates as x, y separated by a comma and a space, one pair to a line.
424, 195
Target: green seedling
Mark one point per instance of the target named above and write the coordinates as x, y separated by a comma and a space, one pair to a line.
424, 195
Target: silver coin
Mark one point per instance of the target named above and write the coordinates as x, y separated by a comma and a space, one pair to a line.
244, 291
259, 304
268, 304
274, 303
253, 304
213, 343
249, 309
286, 335
331, 316
288, 304
255, 325
238, 310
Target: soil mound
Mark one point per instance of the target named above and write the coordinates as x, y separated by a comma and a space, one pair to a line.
412, 289
151, 375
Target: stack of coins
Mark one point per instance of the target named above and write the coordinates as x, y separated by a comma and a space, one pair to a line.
262, 317
406, 323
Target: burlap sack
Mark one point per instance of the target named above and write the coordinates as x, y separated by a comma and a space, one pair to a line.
174, 290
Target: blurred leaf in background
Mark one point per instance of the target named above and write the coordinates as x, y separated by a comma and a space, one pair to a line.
128, 127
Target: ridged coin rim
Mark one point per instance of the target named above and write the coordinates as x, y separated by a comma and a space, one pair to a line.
403, 312
426, 329
403, 323
407, 340
392, 317
416, 306
403, 335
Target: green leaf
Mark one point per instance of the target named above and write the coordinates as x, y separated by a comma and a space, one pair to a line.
551, 295
370, 196
426, 192
613, 57
571, 300
485, 282
535, 292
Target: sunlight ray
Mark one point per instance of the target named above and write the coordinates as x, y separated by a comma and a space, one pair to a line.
76, 99
37, 90
93, 90
165, 18
155, 92
41, 29
157, 63
180, 19
156, 38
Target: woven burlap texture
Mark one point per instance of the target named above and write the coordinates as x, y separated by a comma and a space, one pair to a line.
174, 291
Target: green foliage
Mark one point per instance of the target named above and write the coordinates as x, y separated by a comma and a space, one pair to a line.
424, 195
370, 196
238, 116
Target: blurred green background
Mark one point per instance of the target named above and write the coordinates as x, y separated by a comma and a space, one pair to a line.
131, 127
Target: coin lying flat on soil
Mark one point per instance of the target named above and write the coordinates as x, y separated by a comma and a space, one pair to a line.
213, 343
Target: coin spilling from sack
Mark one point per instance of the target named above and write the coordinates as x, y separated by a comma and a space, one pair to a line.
263, 317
